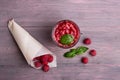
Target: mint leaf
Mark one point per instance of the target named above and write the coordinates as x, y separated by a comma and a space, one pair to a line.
81, 50
73, 50
66, 39
69, 54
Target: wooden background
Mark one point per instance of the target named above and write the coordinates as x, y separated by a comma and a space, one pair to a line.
97, 19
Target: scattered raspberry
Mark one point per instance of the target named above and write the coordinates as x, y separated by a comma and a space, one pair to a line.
45, 68
84, 60
87, 41
50, 58
92, 52
37, 64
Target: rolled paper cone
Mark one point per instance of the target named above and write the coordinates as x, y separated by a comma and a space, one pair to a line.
29, 46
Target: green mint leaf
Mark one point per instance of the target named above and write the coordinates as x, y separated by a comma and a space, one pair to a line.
69, 54
66, 39
73, 50
81, 50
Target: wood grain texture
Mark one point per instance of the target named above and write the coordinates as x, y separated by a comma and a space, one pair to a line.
97, 19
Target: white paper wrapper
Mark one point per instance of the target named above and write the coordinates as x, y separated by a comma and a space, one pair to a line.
30, 47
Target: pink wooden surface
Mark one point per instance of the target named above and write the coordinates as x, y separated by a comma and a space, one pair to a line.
97, 19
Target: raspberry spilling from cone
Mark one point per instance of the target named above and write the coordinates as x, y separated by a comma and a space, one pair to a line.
50, 58
45, 68
43, 61
37, 64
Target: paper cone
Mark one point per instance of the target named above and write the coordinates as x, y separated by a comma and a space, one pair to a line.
30, 47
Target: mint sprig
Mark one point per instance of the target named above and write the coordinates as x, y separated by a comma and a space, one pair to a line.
69, 54
66, 39
73, 52
81, 50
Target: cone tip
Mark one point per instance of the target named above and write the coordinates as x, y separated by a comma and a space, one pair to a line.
10, 22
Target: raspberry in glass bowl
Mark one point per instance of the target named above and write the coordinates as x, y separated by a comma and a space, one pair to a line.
66, 33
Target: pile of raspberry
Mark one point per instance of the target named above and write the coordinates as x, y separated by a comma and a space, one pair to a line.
42, 61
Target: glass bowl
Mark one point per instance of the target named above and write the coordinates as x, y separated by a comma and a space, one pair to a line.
65, 27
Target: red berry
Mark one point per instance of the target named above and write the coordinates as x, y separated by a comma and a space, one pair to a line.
36, 58
44, 58
84, 60
50, 58
44, 63
92, 52
87, 41
45, 68
37, 64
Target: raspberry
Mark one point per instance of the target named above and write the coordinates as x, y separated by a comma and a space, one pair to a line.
87, 41
92, 52
44, 58
50, 58
84, 60
36, 58
44, 63
37, 64
45, 68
